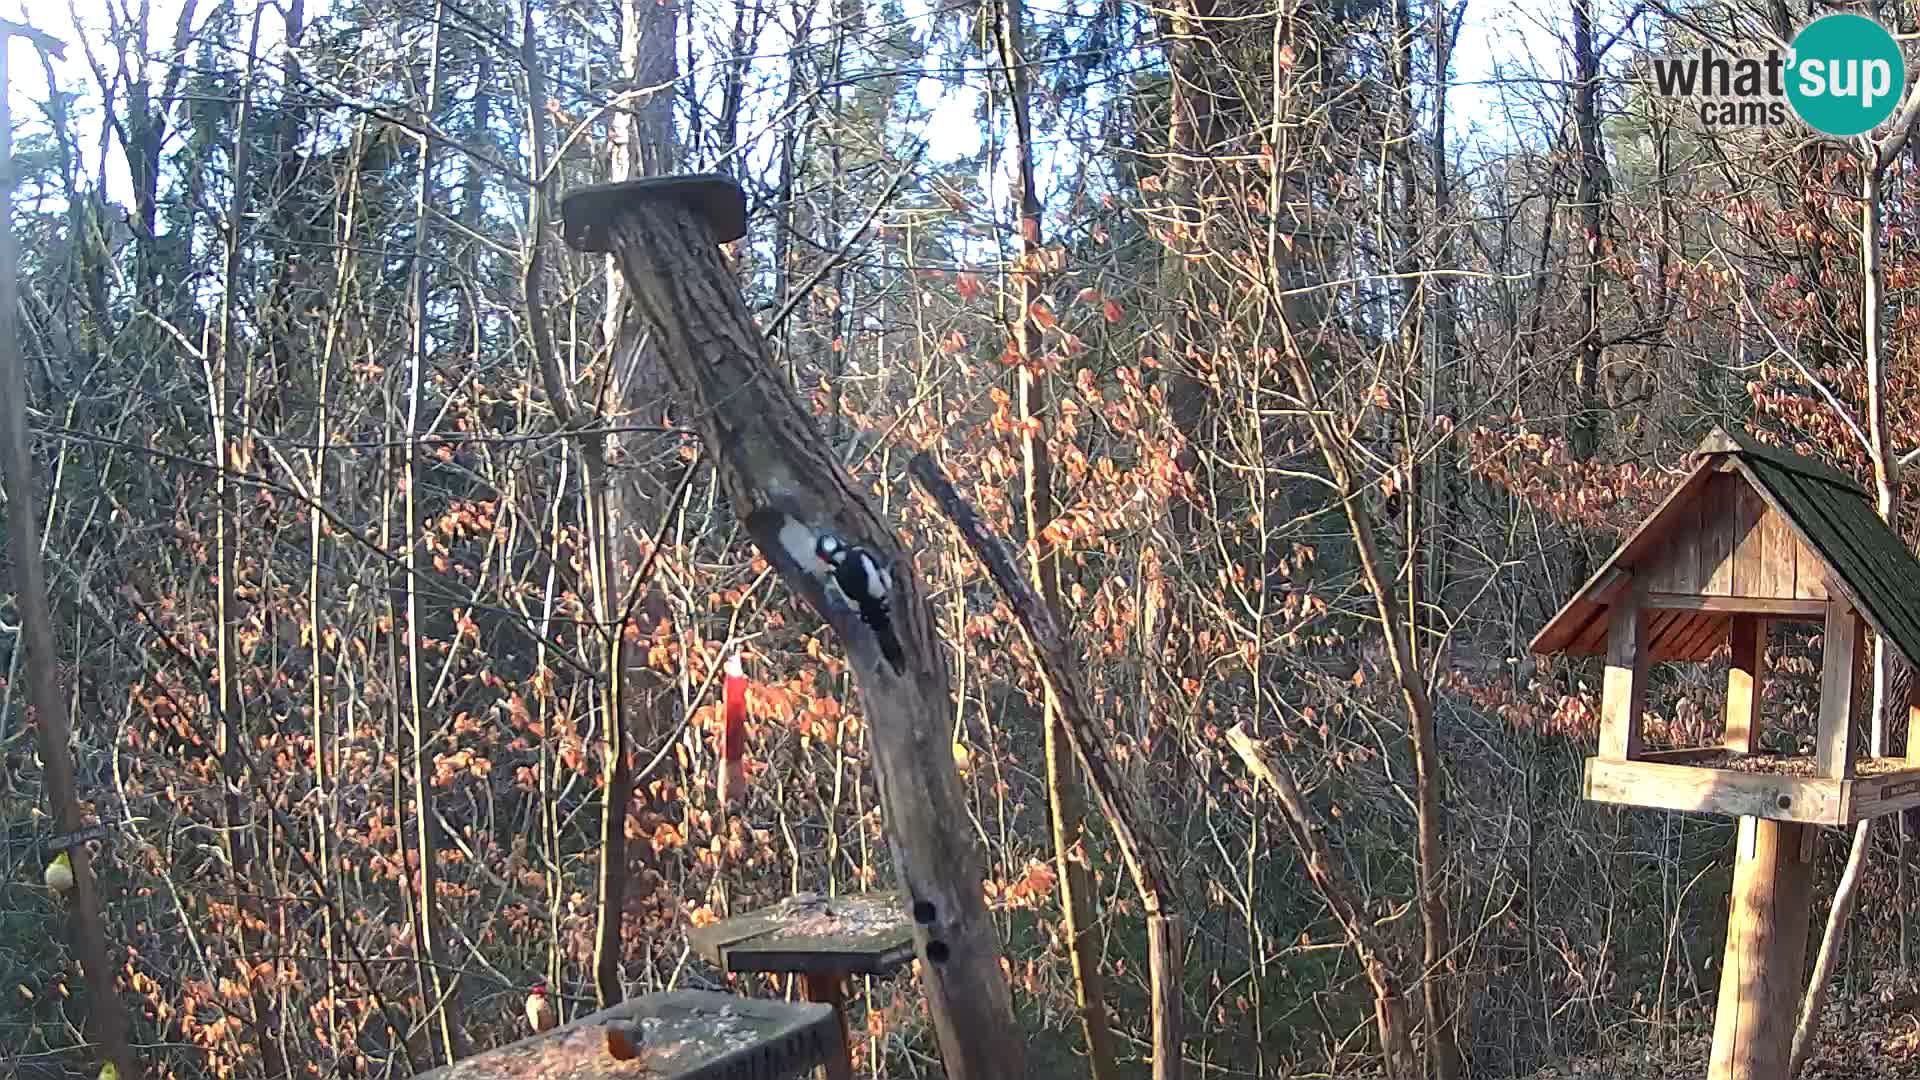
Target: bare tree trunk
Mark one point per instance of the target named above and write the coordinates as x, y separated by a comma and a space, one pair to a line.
318, 643
232, 450
643, 145
107, 1014
442, 1007
1437, 990
1191, 136
1067, 802
1438, 491
789, 212
1404, 636
1586, 118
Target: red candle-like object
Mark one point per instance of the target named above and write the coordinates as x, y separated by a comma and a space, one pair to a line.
732, 783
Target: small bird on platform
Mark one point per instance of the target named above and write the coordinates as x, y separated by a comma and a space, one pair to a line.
540, 1014
60, 874
624, 1039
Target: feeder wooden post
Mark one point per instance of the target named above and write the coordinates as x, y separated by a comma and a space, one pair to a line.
1746, 679
1913, 724
1766, 956
1625, 690
828, 988
1840, 661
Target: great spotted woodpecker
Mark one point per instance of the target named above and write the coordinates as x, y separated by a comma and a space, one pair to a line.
867, 585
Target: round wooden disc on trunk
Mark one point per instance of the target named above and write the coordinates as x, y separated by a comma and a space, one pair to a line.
718, 200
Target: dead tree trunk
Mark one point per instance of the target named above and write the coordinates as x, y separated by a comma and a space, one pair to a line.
788, 488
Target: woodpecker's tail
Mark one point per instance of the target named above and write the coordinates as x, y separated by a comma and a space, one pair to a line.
890, 648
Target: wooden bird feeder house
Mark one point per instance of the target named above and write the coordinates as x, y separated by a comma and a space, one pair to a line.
1752, 537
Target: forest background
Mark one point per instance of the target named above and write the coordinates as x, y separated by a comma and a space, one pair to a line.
1321, 347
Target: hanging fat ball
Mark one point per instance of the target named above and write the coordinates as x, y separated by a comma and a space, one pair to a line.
60, 874
732, 781
624, 1039
540, 1014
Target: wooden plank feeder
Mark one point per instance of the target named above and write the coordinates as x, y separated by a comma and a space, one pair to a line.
682, 1035
1753, 536
824, 940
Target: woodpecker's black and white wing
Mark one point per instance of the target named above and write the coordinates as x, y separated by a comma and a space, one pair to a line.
867, 585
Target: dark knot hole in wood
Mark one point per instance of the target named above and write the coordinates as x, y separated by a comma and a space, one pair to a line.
1785, 802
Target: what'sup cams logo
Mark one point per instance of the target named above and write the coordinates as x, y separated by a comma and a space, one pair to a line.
1842, 76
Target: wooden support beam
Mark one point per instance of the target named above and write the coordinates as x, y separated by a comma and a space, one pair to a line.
1746, 678
1766, 953
1625, 690
1611, 584
1840, 662
829, 988
1692, 788
1887, 793
1913, 718
1738, 605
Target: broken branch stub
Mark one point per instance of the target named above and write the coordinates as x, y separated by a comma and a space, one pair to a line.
1126, 811
788, 488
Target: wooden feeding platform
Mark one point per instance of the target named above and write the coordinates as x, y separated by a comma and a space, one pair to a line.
1752, 536
685, 1035
824, 940
1778, 787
